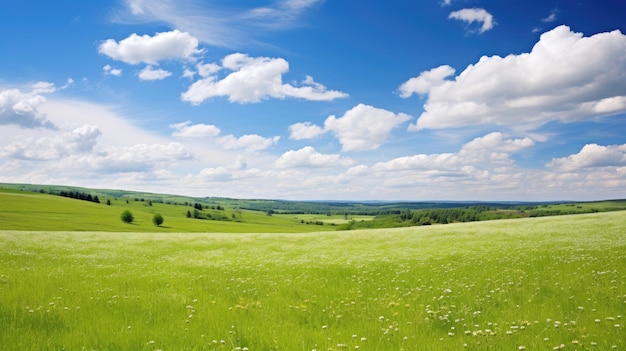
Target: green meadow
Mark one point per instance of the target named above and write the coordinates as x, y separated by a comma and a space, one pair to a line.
23, 210
545, 283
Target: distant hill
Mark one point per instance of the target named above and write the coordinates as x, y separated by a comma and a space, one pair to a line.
51, 207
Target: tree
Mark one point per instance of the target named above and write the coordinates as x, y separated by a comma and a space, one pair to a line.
188, 214
127, 217
108, 202
157, 219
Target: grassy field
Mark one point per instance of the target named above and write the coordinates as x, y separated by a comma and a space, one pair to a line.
320, 218
21, 210
525, 284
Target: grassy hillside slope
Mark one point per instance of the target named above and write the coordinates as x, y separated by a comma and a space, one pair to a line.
525, 284
43, 209
21, 210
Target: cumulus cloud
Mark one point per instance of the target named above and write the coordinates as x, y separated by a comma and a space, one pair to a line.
364, 127
482, 168
426, 81
475, 15
150, 73
21, 108
592, 156
565, 77
188, 130
78, 141
361, 128
137, 158
248, 142
309, 157
305, 130
253, 79
151, 49
207, 69
494, 149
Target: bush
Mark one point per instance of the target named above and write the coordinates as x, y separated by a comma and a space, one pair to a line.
127, 217
157, 219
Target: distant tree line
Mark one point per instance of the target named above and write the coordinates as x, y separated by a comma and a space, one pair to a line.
200, 207
79, 195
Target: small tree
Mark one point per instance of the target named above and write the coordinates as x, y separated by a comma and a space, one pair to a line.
127, 217
157, 219
188, 214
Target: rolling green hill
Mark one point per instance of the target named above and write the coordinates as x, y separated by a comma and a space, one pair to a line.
45, 207
22, 210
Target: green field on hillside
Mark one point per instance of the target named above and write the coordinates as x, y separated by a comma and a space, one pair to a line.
22, 207
20, 210
525, 284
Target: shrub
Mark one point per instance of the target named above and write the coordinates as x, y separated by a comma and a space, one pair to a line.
157, 219
127, 217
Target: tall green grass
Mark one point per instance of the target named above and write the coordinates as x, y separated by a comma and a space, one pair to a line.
534, 284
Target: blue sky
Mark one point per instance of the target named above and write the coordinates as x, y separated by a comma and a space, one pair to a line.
313, 99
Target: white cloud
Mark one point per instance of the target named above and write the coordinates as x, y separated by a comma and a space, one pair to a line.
497, 141
493, 148
151, 49
219, 23
187, 73
188, 130
22, 108
566, 77
361, 128
216, 174
551, 17
78, 141
207, 69
306, 130
426, 81
248, 142
592, 156
475, 15
150, 73
139, 157
138, 161
254, 79
309, 157
489, 151
364, 127
230, 173
108, 69
282, 14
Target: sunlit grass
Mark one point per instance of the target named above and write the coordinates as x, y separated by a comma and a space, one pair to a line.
321, 218
533, 284
33, 211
